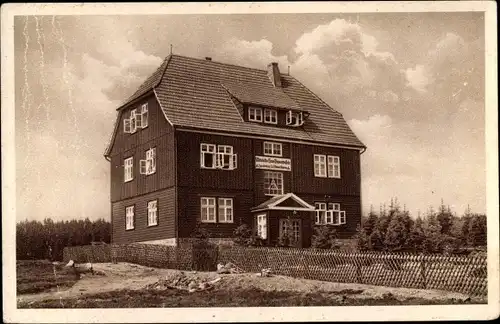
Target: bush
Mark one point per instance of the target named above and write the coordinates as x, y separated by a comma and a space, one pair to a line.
324, 237
242, 235
205, 254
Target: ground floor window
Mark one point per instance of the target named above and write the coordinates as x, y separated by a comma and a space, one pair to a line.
262, 226
153, 213
329, 214
129, 218
217, 209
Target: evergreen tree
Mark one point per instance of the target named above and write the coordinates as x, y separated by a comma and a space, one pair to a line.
445, 219
432, 232
324, 237
416, 236
376, 241
477, 230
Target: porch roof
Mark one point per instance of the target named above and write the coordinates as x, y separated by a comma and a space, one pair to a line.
274, 203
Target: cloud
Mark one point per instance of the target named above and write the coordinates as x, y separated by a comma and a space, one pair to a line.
418, 78
256, 54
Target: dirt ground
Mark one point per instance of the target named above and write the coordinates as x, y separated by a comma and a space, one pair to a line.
135, 277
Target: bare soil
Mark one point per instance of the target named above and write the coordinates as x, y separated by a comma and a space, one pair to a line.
119, 283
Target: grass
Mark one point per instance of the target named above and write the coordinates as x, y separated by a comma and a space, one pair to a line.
36, 276
223, 298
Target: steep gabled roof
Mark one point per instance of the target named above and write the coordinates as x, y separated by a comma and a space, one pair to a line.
196, 94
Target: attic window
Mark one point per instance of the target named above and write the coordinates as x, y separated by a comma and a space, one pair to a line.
270, 116
136, 120
255, 114
294, 118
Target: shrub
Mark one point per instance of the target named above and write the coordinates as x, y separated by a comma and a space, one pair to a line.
204, 253
324, 237
242, 235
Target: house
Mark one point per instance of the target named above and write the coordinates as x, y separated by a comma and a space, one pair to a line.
220, 145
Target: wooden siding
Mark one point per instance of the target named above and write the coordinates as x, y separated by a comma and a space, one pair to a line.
304, 181
166, 218
157, 127
191, 175
158, 134
189, 211
164, 176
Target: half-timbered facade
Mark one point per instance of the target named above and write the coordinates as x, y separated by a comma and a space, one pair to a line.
219, 145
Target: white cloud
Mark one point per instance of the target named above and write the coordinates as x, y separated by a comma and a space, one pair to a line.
418, 78
256, 54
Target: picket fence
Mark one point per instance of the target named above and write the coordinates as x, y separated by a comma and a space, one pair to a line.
464, 274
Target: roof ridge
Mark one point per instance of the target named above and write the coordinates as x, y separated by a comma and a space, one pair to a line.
221, 63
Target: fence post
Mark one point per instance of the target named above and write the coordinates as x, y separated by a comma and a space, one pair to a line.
422, 272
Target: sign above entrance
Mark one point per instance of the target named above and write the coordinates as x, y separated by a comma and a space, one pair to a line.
273, 163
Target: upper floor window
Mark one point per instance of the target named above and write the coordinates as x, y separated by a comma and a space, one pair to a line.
333, 166
294, 118
273, 183
331, 215
270, 116
320, 166
129, 218
218, 157
273, 149
137, 119
153, 213
255, 114
223, 211
148, 166
128, 167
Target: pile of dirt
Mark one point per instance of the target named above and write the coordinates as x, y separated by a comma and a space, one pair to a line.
180, 281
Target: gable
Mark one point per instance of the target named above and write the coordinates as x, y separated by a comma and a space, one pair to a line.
290, 202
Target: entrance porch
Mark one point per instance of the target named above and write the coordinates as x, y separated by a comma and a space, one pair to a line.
284, 215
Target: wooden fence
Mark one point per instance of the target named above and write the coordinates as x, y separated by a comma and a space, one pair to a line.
465, 274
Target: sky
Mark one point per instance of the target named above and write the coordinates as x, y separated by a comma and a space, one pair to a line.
410, 85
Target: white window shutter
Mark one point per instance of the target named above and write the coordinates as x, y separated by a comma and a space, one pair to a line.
219, 160
143, 166
234, 161
289, 117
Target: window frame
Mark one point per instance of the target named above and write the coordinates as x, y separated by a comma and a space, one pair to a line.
272, 113
333, 165
150, 209
202, 155
219, 154
208, 206
320, 212
273, 145
279, 179
127, 166
127, 216
151, 160
225, 207
133, 125
317, 165
144, 112
255, 110
262, 226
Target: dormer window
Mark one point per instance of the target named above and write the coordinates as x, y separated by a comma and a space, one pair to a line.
294, 118
255, 114
270, 116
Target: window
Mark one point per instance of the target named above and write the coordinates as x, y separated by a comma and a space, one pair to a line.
225, 210
129, 218
153, 213
320, 213
136, 120
294, 118
262, 226
142, 117
218, 157
333, 166
255, 114
148, 166
208, 210
128, 167
332, 216
319, 165
270, 116
273, 183
273, 149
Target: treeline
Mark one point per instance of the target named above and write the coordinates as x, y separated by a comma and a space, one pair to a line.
47, 239
441, 231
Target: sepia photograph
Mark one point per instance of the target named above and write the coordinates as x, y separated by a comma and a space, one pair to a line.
240, 161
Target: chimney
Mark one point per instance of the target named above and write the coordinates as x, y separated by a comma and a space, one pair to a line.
273, 72
208, 58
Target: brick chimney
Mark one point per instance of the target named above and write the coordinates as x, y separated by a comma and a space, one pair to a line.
273, 72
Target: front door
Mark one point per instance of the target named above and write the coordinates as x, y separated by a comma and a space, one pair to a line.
292, 228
